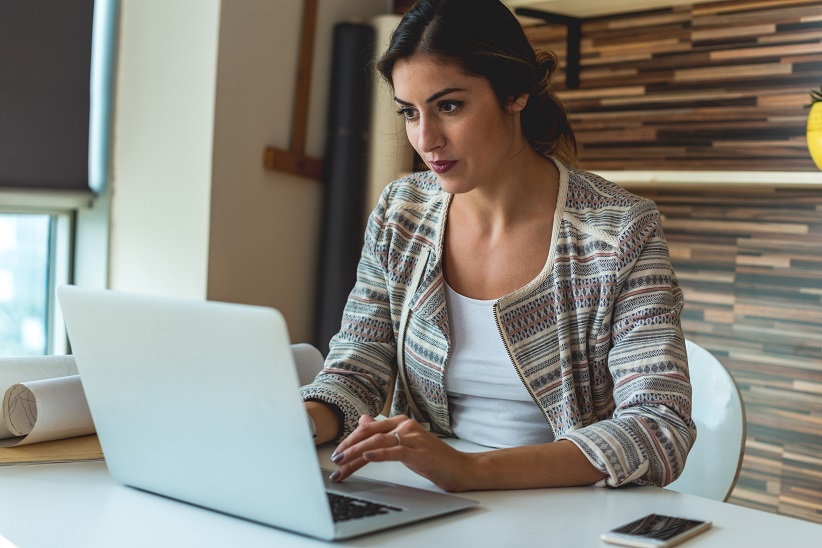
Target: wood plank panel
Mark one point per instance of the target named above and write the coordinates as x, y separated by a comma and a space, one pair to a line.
750, 265
717, 86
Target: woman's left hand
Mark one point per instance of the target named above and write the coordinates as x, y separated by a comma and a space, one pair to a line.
405, 440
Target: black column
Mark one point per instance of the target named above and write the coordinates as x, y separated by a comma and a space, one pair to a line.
345, 172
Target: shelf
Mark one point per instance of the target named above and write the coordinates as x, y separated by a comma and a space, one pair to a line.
645, 179
599, 8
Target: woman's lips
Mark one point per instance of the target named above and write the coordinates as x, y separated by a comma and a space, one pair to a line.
442, 167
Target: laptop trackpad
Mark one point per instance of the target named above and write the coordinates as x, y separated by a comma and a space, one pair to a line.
353, 484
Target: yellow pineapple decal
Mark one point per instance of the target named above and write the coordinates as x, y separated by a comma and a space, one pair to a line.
815, 127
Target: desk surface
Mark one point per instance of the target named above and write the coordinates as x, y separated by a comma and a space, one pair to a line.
80, 505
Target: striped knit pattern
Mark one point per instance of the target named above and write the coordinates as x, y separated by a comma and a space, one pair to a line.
596, 336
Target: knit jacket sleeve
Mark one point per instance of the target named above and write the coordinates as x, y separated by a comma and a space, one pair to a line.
361, 363
651, 431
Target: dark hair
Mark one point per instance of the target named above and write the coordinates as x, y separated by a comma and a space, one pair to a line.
483, 38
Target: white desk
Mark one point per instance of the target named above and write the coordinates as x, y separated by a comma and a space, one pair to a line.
79, 505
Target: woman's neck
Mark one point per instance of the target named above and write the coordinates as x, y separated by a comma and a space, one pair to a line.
527, 190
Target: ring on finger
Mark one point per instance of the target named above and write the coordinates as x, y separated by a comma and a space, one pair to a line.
397, 435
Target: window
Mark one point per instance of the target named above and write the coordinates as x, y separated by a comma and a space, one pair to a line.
34, 257
56, 92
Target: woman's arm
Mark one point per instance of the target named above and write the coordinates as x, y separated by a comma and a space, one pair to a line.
648, 437
326, 421
360, 367
558, 464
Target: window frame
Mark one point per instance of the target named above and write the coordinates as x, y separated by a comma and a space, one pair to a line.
78, 245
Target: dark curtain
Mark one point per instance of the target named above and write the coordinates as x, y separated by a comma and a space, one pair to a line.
45, 65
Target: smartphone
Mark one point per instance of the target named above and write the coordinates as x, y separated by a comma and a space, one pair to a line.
655, 531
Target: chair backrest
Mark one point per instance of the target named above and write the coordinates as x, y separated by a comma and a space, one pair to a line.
309, 362
714, 462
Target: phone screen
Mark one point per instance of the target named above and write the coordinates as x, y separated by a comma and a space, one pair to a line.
657, 526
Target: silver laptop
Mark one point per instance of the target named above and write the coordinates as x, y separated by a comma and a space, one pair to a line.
199, 401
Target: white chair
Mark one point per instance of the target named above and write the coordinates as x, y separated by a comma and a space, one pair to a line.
714, 462
309, 361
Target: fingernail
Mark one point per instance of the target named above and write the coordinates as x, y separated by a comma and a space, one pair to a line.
337, 457
368, 455
334, 475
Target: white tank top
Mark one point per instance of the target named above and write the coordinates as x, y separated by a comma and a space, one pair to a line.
487, 401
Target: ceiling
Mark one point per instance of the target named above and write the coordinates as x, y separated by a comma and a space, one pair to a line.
591, 8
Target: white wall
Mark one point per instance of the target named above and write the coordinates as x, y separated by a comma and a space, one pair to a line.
203, 87
163, 134
265, 225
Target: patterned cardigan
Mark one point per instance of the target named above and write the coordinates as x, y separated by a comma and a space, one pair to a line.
595, 337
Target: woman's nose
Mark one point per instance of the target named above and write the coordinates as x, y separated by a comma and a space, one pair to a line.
430, 135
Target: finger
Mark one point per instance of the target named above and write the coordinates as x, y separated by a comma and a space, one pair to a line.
352, 458
383, 455
354, 452
341, 473
374, 435
367, 427
360, 433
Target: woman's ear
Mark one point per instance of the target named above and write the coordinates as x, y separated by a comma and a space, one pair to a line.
518, 103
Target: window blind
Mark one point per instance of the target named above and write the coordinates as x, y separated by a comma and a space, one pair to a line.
45, 70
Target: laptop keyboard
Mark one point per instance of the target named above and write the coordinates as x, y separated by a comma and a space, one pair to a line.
345, 508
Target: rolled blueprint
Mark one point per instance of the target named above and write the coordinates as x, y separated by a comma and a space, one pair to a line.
44, 410
34, 368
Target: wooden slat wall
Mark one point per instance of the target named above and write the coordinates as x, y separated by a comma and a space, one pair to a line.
722, 86
750, 264
719, 86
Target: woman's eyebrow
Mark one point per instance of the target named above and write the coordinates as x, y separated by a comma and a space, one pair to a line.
434, 97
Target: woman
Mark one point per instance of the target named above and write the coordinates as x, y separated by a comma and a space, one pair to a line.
508, 299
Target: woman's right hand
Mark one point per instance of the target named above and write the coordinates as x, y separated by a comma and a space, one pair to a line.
405, 440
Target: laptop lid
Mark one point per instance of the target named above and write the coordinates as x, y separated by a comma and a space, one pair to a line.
199, 401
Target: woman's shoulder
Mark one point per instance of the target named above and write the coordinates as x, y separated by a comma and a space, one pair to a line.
588, 190
605, 208
419, 191
413, 205
413, 188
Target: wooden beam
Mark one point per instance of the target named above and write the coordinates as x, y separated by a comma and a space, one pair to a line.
294, 160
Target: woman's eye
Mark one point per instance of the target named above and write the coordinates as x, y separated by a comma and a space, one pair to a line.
407, 113
449, 107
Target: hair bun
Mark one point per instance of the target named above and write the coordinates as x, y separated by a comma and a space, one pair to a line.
547, 65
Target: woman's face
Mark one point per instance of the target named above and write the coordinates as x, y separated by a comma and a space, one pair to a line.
456, 124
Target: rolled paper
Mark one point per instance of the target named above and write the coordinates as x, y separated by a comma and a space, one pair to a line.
44, 410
